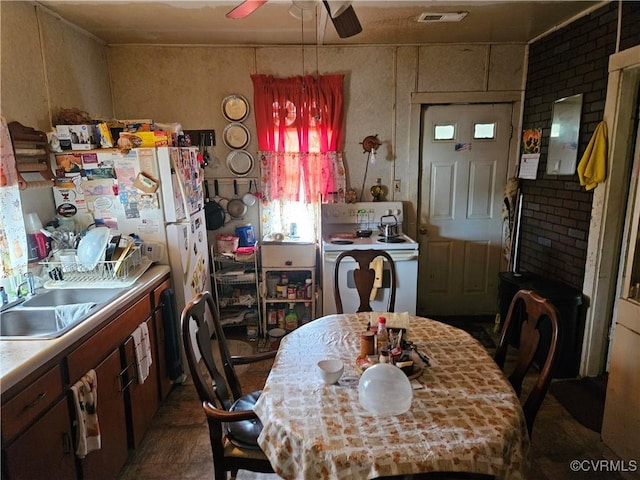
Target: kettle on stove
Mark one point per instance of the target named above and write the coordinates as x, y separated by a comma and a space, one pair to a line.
388, 229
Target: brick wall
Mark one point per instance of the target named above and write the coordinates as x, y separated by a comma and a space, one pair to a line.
556, 210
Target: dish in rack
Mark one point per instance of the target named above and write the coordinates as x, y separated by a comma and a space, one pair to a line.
92, 246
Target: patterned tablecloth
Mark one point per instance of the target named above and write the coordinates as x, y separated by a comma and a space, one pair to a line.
466, 418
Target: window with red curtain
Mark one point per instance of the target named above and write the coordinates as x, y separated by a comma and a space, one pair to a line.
300, 130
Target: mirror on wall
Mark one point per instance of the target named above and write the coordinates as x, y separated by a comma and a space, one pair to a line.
563, 141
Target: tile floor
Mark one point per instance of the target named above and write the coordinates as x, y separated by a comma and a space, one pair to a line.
177, 444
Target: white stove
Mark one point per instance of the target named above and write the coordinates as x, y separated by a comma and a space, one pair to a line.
340, 224
375, 241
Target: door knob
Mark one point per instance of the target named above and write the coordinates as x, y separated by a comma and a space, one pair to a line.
423, 230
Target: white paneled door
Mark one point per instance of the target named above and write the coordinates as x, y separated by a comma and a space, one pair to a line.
465, 151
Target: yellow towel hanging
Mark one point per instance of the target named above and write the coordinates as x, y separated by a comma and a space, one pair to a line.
592, 168
378, 266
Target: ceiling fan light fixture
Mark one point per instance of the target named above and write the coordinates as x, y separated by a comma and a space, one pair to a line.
337, 8
347, 23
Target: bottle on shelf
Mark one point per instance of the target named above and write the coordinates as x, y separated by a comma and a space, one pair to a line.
272, 316
308, 285
291, 318
280, 314
281, 288
306, 314
382, 336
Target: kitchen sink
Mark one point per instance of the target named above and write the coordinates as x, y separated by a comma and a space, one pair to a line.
63, 296
35, 318
22, 323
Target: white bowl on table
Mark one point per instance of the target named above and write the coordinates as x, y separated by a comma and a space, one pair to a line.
330, 370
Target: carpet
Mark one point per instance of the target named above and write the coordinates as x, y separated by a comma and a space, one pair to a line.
583, 398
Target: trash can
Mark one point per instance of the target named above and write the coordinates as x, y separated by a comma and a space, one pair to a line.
568, 301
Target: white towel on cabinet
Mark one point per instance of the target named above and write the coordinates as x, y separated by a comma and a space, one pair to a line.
142, 349
146, 347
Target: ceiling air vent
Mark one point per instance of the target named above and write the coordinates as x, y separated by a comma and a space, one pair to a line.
429, 17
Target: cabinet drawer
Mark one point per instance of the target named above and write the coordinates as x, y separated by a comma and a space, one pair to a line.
288, 255
94, 350
18, 412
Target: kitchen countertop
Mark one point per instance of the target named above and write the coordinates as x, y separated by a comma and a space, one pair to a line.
19, 358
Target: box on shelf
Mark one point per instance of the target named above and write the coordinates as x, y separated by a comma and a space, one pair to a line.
77, 137
146, 139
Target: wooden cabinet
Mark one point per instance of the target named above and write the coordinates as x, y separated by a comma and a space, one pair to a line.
30, 403
35, 447
107, 462
120, 395
143, 398
38, 433
44, 450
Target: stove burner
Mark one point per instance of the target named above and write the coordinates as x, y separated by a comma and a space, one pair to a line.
342, 242
392, 239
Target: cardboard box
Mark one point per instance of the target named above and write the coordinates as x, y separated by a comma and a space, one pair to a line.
145, 183
146, 139
80, 137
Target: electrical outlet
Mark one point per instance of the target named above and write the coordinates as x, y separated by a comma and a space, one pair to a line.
396, 185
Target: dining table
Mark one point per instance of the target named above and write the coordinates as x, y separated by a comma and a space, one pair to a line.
464, 414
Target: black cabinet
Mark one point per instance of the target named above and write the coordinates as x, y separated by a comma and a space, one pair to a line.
567, 300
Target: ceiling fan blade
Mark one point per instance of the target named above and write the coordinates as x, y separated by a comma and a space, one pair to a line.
347, 23
245, 8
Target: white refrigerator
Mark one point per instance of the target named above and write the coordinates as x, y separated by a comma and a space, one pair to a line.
154, 193
175, 233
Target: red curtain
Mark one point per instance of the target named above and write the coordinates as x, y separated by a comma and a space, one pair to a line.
305, 102
300, 127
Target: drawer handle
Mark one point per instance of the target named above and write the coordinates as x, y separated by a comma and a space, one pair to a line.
288, 263
29, 406
122, 375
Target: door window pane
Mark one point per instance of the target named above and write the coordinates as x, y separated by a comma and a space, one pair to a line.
444, 132
484, 130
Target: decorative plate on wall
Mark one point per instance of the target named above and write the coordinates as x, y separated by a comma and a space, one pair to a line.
235, 108
240, 162
236, 136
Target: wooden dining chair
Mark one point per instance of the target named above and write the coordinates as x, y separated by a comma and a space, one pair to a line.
233, 425
364, 278
527, 311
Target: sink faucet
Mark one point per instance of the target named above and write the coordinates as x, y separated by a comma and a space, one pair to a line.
29, 283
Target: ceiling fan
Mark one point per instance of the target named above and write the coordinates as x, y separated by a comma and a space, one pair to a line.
342, 14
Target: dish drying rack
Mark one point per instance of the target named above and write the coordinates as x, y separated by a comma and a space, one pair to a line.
119, 272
